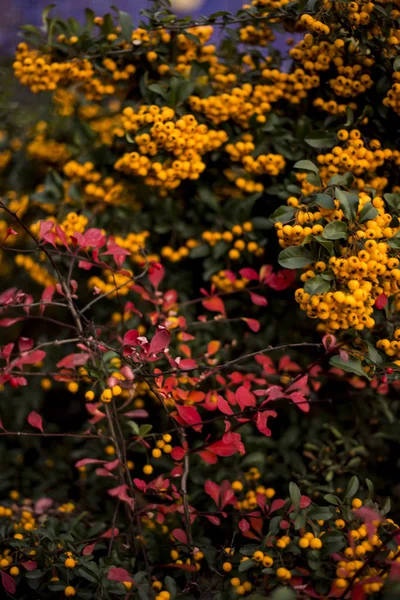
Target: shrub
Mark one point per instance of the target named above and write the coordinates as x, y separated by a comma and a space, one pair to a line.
175, 205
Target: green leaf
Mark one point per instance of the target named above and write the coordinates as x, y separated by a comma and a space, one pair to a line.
394, 242
332, 499
283, 214
200, 251
374, 355
352, 365
159, 90
393, 200
335, 230
367, 213
352, 488
295, 494
145, 429
318, 513
306, 165
283, 593
327, 244
345, 180
348, 203
170, 584
317, 285
89, 19
295, 257
126, 23
324, 200
246, 565
261, 223
321, 139
45, 13
371, 489
134, 427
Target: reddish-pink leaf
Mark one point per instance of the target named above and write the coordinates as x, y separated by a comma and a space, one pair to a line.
42, 505
180, 535
276, 505
140, 484
258, 300
244, 397
130, 338
88, 461
178, 453
35, 420
29, 565
301, 401
381, 301
47, 297
213, 520
25, 344
113, 532
305, 501
244, 525
249, 274
156, 275
190, 416
73, 360
8, 323
44, 228
253, 324
93, 237
159, 341
215, 304
88, 549
121, 492
212, 489
228, 445
8, 583
187, 364
32, 357
261, 421
118, 574
281, 280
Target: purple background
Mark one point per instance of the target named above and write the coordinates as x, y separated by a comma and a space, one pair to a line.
15, 13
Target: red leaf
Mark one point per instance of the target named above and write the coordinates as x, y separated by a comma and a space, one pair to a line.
8, 582
305, 501
159, 341
209, 457
93, 237
29, 565
156, 275
121, 492
47, 296
381, 301
130, 338
257, 299
88, 549
25, 344
249, 274
190, 416
244, 397
215, 304
73, 360
281, 280
261, 421
276, 505
118, 574
187, 364
88, 461
213, 520
9, 322
178, 453
140, 484
212, 489
244, 525
228, 445
253, 324
44, 228
113, 532
35, 420
180, 535
32, 357
301, 401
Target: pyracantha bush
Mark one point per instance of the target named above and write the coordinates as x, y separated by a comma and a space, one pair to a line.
200, 343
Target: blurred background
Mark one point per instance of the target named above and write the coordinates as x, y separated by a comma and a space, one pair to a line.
15, 13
